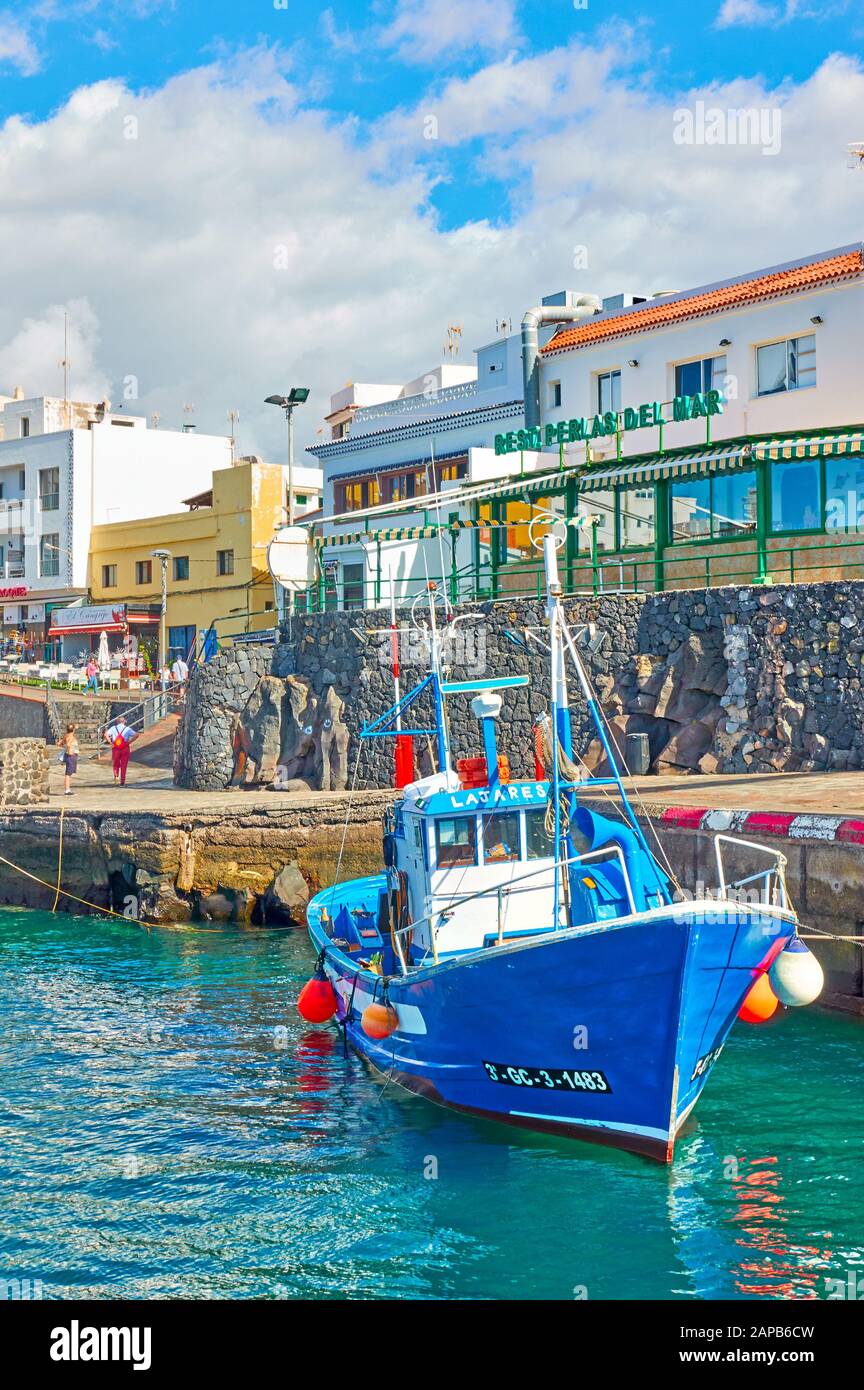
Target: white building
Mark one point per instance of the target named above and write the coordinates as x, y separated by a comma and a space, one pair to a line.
732, 412
66, 466
393, 444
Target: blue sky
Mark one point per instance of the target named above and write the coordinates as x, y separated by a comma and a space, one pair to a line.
225, 193
669, 45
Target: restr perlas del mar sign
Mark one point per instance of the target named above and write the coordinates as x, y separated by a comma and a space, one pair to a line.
587, 427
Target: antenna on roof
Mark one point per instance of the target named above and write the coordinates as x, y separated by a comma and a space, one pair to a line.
65, 364
454, 333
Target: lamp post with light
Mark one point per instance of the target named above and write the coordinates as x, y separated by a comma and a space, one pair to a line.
296, 396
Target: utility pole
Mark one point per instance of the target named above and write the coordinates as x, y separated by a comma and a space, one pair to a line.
163, 556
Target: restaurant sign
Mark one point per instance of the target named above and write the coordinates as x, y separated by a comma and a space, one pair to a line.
588, 427
112, 617
17, 591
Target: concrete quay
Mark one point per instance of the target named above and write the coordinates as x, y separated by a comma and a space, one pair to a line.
165, 854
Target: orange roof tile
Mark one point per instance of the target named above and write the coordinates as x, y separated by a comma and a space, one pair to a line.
732, 296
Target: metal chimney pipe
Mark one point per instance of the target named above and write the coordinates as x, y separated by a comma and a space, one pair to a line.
585, 307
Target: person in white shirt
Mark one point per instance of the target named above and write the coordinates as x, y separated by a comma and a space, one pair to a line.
120, 736
179, 671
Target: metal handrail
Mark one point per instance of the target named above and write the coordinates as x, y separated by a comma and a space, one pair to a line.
780, 862
504, 890
166, 696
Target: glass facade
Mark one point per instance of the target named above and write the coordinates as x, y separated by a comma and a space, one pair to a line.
722, 507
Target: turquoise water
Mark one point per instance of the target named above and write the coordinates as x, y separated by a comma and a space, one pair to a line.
170, 1128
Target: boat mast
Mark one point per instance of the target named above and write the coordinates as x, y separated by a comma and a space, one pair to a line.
560, 706
443, 734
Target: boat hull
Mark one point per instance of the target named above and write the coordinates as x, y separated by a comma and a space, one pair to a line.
605, 1033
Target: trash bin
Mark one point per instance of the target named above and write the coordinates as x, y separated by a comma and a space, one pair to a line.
638, 754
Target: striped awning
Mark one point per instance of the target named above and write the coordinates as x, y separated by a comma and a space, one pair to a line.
814, 447
699, 463
419, 533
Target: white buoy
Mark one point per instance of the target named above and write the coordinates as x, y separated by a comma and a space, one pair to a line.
796, 976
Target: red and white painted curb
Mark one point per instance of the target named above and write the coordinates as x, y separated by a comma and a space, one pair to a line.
790, 827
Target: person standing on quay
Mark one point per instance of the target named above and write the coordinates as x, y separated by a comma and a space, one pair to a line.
119, 735
69, 744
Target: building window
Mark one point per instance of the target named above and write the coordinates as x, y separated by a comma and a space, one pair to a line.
49, 555
224, 561
301, 498
602, 505
396, 487
2, 485
706, 374
796, 496
554, 395
786, 366
455, 841
636, 513
453, 471
25, 426
181, 566
49, 489
844, 494
609, 392
22, 479
143, 571
352, 496
109, 576
181, 642
352, 586
718, 508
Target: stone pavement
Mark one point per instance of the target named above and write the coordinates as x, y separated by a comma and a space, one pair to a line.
150, 788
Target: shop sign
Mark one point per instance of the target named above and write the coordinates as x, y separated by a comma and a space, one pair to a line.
588, 427
21, 591
101, 615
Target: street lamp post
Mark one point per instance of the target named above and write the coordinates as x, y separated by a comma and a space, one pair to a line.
296, 396
163, 556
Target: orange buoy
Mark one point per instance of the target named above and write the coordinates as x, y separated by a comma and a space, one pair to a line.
761, 1001
317, 1002
379, 1020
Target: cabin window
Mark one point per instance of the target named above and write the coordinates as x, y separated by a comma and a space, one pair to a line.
500, 838
456, 841
537, 842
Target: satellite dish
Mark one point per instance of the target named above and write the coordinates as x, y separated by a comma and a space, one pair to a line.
290, 558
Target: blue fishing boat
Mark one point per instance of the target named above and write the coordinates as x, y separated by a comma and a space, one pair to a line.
524, 955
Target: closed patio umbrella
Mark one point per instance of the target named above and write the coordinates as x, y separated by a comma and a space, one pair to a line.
103, 659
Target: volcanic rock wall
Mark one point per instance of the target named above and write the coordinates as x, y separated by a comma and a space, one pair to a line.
720, 680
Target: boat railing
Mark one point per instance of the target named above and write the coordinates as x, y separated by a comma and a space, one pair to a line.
500, 891
772, 879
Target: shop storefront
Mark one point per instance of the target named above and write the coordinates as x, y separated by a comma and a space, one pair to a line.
23, 623
132, 635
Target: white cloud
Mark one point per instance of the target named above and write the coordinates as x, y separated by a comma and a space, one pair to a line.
422, 31
168, 247
753, 13
17, 49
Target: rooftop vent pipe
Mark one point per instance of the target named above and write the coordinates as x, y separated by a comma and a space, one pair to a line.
584, 306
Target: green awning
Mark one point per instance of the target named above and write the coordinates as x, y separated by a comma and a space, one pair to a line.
698, 463
419, 533
812, 447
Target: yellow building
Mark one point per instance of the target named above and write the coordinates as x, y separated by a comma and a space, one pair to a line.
217, 573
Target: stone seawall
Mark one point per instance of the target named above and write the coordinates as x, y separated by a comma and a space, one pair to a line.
260, 864
252, 865
729, 680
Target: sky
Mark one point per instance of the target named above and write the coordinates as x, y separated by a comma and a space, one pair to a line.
228, 199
